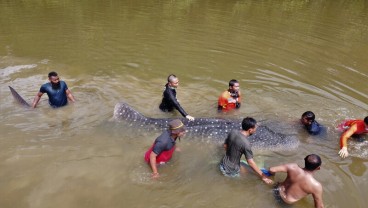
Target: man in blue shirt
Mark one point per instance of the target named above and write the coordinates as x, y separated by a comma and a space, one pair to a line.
309, 122
57, 91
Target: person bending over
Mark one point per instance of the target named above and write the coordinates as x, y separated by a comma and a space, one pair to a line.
351, 128
164, 146
299, 181
236, 144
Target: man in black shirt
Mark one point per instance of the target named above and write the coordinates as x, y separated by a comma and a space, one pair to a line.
169, 101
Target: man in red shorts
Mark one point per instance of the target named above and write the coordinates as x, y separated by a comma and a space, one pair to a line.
164, 146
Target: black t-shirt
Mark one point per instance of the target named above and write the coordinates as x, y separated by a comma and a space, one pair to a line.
163, 143
237, 145
169, 101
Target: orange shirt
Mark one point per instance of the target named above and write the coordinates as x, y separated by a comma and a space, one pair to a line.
361, 129
226, 102
360, 124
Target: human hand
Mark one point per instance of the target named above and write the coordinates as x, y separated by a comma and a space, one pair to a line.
344, 152
190, 118
267, 180
155, 175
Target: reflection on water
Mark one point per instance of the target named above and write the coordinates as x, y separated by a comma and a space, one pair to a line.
289, 57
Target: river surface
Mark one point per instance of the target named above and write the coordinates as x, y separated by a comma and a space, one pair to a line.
289, 56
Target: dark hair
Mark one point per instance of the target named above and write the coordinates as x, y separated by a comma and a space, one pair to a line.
171, 77
52, 74
232, 82
248, 123
312, 162
366, 120
309, 115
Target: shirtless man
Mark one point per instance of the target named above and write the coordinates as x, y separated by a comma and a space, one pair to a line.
299, 181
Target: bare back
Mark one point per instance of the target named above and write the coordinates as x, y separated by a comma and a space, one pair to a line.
298, 184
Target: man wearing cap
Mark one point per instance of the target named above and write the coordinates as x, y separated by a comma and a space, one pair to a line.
236, 144
163, 148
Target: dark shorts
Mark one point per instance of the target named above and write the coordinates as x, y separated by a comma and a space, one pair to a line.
223, 171
276, 194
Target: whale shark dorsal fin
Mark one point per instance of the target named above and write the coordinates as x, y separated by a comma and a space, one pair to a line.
18, 98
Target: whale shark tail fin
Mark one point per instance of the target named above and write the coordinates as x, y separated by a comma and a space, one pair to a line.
123, 111
19, 98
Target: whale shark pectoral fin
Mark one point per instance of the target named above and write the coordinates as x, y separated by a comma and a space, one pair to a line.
18, 98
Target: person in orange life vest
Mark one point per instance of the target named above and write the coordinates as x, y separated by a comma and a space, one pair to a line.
231, 98
351, 127
163, 148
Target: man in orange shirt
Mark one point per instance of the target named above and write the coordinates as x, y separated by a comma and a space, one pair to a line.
351, 127
231, 98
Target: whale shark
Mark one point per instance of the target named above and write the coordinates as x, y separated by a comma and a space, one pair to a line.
207, 129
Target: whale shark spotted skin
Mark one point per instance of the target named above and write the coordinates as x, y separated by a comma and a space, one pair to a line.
210, 129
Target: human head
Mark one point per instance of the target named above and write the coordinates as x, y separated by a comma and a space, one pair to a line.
176, 127
54, 78
173, 81
233, 85
312, 162
249, 124
307, 118
366, 120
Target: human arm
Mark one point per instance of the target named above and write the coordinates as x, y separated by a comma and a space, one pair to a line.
70, 95
153, 165
36, 99
238, 101
343, 140
225, 147
256, 169
226, 142
172, 97
280, 168
317, 196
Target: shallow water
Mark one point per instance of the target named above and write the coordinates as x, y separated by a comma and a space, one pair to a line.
289, 56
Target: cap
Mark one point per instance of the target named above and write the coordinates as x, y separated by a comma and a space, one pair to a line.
176, 126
